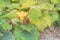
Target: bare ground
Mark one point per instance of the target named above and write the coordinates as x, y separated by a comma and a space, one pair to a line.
52, 33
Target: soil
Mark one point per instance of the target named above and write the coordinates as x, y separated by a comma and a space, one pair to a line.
52, 33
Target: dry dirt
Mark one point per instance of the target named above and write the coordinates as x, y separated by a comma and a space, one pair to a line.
52, 33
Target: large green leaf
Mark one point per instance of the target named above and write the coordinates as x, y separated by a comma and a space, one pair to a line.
34, 14
44, 22
40, 19
7, 36
28, 28
20, 34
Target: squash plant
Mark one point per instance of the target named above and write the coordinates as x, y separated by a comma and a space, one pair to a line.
25, 19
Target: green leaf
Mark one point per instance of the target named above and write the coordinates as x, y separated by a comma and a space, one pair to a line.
4, 11
7, 2
21, 2
44, 22
6, 26
54, 1
28, 28
28, 3
34, 15
55, 17
20, 34
12, 14
1, 30
7, 36
14, 1
47, 6
58, 5
12, 6
40, 19
42, 1
1, 21
2, 4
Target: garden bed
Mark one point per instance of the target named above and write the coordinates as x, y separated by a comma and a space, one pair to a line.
52, 33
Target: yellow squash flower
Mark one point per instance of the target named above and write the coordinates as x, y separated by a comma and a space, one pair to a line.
22, 15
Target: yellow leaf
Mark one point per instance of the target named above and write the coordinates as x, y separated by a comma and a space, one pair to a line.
44, 22
48, 20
